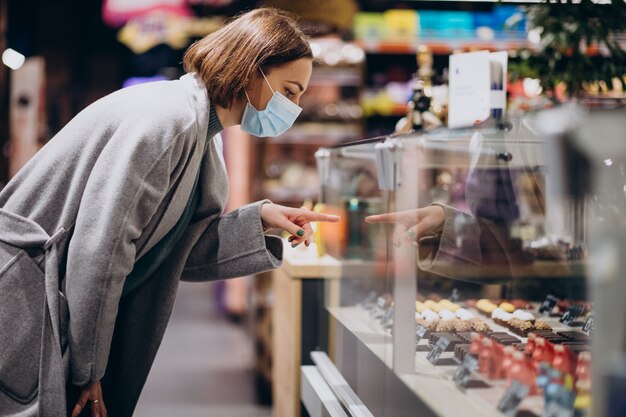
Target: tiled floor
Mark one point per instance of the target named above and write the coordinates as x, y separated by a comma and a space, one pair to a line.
204, 366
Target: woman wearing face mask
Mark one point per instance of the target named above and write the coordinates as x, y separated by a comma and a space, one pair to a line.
98, 228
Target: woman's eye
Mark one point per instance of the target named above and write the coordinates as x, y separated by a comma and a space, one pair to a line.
288, 93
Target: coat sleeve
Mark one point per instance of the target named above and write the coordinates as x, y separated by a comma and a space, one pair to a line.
128, 182
234, 245
458, 245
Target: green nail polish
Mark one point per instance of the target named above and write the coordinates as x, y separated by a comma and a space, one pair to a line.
294, 245
300, 232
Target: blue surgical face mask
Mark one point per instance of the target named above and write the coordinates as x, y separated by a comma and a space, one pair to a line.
278, 116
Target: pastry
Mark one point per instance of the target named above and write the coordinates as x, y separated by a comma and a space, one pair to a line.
523, 315
542, 325
462, 326
508, 307
446, 314
521, 327
480, 326
485, 306
464, 314
445, 326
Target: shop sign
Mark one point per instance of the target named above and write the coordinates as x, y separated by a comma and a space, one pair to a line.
117, 12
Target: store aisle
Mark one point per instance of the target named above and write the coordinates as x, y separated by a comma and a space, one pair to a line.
204, 366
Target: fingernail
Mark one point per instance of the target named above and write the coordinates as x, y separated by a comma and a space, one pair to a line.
307, 243
294, 245
411, 234
414, 244
300, 232
291, 238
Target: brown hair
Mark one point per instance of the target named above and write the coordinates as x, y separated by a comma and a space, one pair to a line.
227, 59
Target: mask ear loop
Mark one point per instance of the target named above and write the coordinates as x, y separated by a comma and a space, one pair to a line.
268, 84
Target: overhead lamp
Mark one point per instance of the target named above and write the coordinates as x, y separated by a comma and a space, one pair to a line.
13, 59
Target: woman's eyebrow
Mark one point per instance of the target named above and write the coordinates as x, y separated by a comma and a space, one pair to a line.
297, 83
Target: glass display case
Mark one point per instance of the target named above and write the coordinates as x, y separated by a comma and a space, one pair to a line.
464, 287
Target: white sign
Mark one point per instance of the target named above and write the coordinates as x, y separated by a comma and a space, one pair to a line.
470, 89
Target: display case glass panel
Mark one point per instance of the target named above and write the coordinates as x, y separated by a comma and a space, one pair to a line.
453, 253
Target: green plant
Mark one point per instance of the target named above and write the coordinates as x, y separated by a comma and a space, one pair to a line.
579, 44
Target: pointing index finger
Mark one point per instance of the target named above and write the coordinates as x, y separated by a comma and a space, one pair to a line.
312, 216
382, 218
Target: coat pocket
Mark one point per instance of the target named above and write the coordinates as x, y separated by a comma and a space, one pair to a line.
22, 298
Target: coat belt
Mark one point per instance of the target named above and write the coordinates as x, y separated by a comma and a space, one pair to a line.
24, 233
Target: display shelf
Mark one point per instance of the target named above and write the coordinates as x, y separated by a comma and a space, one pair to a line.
291, 194
440, 47
434, 384
491, 274
305, 263
398, 110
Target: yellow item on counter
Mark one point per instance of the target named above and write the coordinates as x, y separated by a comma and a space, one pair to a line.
582, 402
419, 306
508, 307
317, 233
453, 307
433, 305
485, 305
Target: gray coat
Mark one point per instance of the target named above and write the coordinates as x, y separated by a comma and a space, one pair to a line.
74, 221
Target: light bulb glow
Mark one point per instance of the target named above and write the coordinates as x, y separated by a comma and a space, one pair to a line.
13, 59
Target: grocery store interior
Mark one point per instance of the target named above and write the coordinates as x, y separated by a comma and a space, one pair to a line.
475, 151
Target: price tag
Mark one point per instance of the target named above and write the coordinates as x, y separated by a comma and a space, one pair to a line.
465, 369
555, 409
588, 327
420, 331
377, 311
388, 317
456, 294
369, 300
437, 350
548, 304
512, 398
571, 314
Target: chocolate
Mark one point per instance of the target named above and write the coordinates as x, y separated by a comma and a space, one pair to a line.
573, 335
542, 333
434, 336
556, 340
542, 325
451, 338
521, 327
504, 338
461, 350
576, 349
467, 336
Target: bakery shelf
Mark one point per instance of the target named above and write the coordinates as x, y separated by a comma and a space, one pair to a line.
442, 47
434, 384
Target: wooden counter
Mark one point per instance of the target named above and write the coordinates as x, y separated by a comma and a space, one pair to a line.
303, 287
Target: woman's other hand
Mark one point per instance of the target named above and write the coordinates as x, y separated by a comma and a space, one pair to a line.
412, 225
91, 395
294, 221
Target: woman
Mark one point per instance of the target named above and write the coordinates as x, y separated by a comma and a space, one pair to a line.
98, 228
